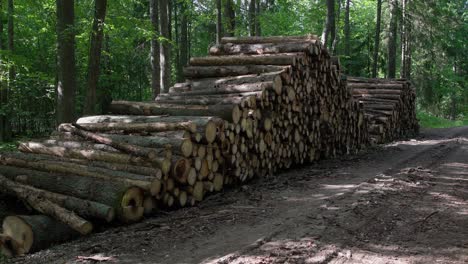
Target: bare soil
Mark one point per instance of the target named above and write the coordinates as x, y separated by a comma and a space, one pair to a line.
406, 202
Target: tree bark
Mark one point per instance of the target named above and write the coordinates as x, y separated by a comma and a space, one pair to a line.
95, 56
219, 22
347, 33
230, 15
262, 40
5, 129
154, 53
196, 72
164, 53
406, 26
266, 48
252, 18
66, 72
330, 28
11, 38
392, 39
183, 40
258, 11
377, 40
270, 59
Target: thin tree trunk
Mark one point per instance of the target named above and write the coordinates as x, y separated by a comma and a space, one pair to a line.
176, 11
95, 56
66, 85
392, 39
377, 39
328, 34
4, 127
252, 17
337, 37
164, 54
347, 33
11, 38
219, 22
405, 41
230, 16
183, 40
258, 10
154, 53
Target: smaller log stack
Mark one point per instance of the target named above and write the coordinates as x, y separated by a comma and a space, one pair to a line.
390, 106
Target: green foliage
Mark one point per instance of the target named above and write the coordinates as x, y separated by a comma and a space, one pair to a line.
8, 146
429, 121
3, 259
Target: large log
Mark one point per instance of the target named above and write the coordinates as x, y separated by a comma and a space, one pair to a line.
45, 206
84, 208
209, 99
35, 232
127, 202
261, 48
129, 179
270, 59
273, 39
199, 72
227, 112
139, 127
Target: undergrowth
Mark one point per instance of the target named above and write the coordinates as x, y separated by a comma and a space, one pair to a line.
430, 121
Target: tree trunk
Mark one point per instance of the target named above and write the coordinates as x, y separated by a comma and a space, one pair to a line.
329, 29
197, 72
377, 40
219, 22
154, 53
95, 56
258, 11
230, 15
252, 18
183, 40
5, 131
66, 72
337, 36
347, 33
405, 41
392, 39
11, 39
164, 53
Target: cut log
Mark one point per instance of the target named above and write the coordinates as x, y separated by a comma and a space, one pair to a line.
129, 179
127, 202
211, 83
35, 232
210, 99
273, 39
199, 72
139, 127
227, 112
228, 91
261, 48
127, 148
83, 208
86, 154
270, 59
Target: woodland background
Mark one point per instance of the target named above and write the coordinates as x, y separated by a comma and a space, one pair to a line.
423, 40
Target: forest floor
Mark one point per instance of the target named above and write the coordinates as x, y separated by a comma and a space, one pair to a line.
406, 202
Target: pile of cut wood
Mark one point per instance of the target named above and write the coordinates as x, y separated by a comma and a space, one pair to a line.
389, 105
256, 105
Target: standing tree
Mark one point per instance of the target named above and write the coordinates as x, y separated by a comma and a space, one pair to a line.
5, 132
154, 53
392, 39
347, 33
95, 55
377, 39
258, 10
405, 41
183, 45
164, 52
11, 40
337, 36
66, 72
329, 31
252, 18
230, 15
219, 22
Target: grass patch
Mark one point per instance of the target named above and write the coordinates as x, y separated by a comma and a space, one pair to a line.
430, 121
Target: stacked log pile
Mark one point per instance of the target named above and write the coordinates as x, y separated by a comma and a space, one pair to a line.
390, 106
255, 106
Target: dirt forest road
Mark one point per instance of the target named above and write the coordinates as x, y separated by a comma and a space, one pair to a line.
406, 202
